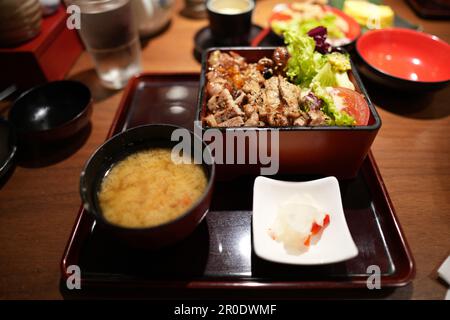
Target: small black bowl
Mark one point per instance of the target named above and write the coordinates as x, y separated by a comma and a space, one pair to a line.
119, 147
230, 28
51, 112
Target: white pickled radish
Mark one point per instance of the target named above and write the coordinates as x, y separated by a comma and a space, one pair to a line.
294, 221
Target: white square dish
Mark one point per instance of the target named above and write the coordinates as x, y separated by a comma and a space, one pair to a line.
336, 243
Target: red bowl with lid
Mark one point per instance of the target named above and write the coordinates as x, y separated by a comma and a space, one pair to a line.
404, 59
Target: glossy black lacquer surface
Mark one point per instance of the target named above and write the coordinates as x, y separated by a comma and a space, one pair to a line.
219, 255
53, 111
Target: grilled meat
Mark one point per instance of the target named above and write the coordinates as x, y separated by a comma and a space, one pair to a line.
290, 95
257, 94
233, 122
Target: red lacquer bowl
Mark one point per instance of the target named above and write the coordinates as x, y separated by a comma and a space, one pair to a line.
403, 58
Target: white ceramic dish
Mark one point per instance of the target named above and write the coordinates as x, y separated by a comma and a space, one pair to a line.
335, 243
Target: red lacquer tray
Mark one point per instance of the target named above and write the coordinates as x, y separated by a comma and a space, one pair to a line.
218, 258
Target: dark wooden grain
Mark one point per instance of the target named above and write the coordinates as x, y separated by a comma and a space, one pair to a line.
39, 202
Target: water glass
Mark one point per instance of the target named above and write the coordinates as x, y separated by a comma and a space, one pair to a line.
110, 35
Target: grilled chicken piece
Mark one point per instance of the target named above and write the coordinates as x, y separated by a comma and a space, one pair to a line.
249, 109
277, 119
216, 84
226, 114
224, 101
214, 58
210, 121
272, 96
238, 59
241, 97
253, 120
253, 74
219, 59
251, 87
300, 121
213, 104
226, 97
254, 93
318, 118
290, 95
233, 122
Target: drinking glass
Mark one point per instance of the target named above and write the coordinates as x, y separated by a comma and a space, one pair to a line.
110, 35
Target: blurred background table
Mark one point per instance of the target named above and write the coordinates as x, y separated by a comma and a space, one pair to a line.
40, 201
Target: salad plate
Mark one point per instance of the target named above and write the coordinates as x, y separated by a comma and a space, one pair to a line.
343, 30
283, 13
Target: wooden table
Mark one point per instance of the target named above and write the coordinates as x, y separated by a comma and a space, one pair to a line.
40, 201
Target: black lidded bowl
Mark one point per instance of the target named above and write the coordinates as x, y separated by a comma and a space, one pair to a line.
51, 112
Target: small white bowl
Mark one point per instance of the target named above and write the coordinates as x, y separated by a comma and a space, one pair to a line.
335, 244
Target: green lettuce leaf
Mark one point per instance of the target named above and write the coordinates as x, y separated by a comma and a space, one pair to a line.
303, 26
339, 61
342, 80
337, 117
304, 62
310, 69
327, 77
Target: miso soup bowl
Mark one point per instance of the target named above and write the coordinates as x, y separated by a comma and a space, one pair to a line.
119, 147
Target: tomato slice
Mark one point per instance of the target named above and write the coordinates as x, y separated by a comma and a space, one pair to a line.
315, 229
280, 16
354, 105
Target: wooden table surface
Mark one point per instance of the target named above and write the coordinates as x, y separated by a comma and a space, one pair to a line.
39, 202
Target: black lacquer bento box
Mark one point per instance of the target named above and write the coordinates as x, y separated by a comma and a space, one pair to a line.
324, 150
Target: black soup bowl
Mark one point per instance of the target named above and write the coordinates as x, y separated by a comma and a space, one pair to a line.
118, 148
